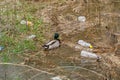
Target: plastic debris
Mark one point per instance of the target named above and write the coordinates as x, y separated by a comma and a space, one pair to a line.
85, 44
23, 22
1, 48
82, 18
31, 37
56, 78
78, 47
28, 23
60, 78
89, 54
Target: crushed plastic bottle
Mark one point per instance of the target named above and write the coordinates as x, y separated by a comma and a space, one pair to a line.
82, 18
89, 54
28, 23
85, 44
31, 37
1, 48
23, 22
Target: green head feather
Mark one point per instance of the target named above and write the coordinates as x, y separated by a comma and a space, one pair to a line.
56, 36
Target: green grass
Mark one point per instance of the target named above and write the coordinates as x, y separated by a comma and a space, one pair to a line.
17, 78
14, 40
22, 46
5, 58
6, 40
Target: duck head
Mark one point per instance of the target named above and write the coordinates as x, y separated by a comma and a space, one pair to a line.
56, 36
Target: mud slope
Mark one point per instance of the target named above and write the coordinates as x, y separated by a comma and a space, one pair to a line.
101, 29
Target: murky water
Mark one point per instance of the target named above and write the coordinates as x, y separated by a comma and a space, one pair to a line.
61, 61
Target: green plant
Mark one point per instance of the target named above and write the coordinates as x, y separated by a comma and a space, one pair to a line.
5, 57
15, 41
6, 40
25, 45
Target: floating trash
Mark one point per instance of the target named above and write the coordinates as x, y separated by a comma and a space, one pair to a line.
56, 78
60, 78
85, 44
89, 54
82, 18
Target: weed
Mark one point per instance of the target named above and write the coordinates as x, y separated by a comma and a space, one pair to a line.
5, 58
17, 78
6, 40
23, 46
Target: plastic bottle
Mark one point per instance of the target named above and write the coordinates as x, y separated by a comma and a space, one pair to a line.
82, 18
85, 44
89, 54
28, 23
31, 37
56, 78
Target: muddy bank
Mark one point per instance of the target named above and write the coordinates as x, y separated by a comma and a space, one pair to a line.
101, 29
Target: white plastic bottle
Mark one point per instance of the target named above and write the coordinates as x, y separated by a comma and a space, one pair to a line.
85, 44
89, 54
56, 78
82, 18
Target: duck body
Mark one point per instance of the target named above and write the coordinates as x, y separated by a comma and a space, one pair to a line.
53, 43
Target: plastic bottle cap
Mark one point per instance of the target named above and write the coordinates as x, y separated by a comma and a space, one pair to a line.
91, 46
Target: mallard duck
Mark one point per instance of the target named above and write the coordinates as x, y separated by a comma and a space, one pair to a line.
52, 44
